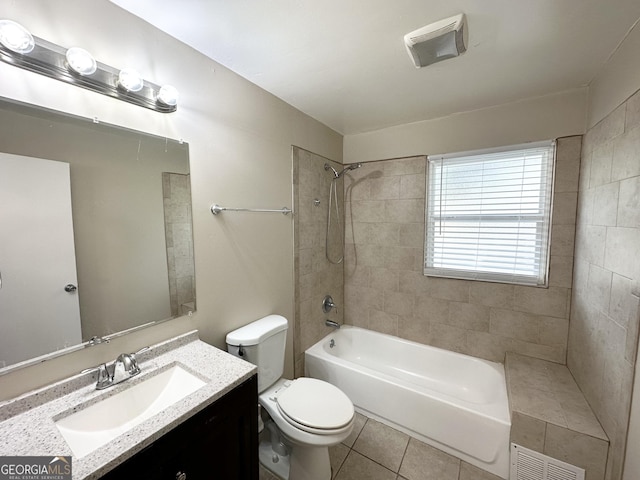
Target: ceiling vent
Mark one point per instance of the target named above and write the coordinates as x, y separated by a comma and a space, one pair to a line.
438, 41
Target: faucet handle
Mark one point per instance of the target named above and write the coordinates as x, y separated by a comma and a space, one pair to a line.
134, 357
143, 349
99, 368
104, 377
328, 304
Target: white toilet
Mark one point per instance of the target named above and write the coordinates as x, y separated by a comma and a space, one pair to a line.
308, 415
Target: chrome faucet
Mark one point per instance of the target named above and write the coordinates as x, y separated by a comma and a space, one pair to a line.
121, 369
331, 323
124, 367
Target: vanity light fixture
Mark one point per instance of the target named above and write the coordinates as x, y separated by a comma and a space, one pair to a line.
168, 95
76, 66
15, 37
131, 81
81, 61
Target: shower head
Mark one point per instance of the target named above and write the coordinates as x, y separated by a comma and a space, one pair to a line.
329, 167
337, 174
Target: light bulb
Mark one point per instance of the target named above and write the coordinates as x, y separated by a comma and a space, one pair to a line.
168, 95
130, 80
15, 37
81, 61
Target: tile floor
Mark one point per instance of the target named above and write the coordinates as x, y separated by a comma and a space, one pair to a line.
375, 451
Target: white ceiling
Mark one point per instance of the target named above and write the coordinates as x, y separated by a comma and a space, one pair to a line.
343, 62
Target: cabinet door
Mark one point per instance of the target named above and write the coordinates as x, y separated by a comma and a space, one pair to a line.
220, 442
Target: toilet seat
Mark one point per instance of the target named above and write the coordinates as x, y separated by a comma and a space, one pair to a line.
314, 406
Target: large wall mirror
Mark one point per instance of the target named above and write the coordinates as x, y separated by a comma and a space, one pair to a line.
95, 232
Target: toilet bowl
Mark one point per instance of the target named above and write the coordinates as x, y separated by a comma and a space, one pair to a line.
307, 410
307, 415
306, 428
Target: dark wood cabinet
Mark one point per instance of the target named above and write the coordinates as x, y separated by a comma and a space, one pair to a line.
220, 442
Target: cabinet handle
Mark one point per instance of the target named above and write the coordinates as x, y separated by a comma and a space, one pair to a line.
181, 476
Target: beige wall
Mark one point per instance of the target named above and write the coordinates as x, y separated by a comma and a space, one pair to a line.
239, 139
528, 120
385, 288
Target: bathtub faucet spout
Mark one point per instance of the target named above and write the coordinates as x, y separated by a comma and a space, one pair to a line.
331, 323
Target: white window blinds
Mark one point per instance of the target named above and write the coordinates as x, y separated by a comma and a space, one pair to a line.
489, 213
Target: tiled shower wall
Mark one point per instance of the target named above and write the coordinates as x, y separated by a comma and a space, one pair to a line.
386, 291
603, 336
315, 276
176, 190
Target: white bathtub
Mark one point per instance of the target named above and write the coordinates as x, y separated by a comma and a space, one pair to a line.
451, 401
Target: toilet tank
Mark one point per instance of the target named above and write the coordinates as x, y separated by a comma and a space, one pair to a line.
262, 343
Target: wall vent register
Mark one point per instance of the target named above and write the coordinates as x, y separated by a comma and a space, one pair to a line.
530, 465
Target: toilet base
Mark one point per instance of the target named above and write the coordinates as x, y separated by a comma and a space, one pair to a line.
276, 464
304, 463
309, 463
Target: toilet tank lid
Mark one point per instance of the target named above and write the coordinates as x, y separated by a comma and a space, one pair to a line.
257, 331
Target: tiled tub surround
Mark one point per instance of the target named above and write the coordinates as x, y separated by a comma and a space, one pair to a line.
315, 276
27, 423
176, 192
603, 335
386, 291
550, 415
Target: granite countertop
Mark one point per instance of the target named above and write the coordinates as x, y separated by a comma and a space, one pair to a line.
27, 422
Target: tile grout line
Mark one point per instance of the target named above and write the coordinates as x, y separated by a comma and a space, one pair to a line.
404, 454
350, 448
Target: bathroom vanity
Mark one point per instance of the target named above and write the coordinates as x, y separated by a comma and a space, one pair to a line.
208, 433
218, 442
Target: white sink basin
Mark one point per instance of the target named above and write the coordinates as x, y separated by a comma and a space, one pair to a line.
101, 422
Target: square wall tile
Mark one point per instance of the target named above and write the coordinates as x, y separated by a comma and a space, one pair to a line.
577, 449
528, 431
625, 162
568, 164
629, 203
550, 302
564, 208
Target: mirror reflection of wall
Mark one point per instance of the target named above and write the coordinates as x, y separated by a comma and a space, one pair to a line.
131, 212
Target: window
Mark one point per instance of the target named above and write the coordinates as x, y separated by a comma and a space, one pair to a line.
488, 214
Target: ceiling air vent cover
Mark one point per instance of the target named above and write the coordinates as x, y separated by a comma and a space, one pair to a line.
438, 41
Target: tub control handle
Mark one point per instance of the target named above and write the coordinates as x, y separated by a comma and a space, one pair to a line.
328, 304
